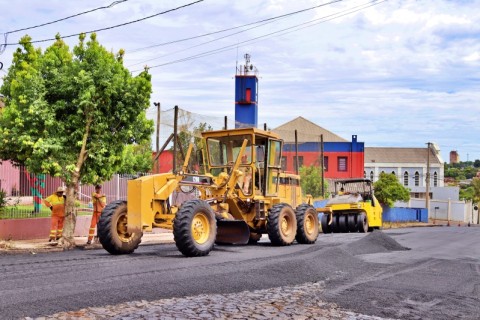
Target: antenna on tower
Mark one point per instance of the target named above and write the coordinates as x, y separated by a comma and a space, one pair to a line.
247, 62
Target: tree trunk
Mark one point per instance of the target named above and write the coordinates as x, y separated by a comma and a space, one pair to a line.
68, 240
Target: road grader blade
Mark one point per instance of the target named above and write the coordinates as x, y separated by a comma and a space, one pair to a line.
232, 232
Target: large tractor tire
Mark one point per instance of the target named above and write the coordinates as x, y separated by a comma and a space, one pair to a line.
112, 229
362, 222
307, 224
195, 228
325, 227
281, 225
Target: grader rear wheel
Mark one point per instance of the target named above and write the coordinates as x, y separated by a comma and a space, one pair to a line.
194, 228
307, 224
112, 229
282, 225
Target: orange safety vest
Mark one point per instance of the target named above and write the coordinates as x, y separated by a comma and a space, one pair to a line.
99, 202
57, 203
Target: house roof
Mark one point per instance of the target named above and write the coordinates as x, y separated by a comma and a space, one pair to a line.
401, 155
307, 131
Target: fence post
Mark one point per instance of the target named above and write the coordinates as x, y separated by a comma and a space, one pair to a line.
117, 186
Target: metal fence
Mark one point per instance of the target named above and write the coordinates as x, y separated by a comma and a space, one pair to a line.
25, 192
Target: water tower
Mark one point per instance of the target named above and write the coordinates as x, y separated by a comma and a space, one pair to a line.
246, 95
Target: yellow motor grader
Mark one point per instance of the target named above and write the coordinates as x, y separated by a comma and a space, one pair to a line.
242, 195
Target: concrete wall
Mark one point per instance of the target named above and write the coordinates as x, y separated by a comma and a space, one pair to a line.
447, 210
37, 228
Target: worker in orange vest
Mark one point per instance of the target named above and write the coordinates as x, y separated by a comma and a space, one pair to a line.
56, 203
99, 200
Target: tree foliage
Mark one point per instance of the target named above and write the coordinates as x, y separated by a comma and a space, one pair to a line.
476, 190
462, 170
79, 115
311, 181
388, 190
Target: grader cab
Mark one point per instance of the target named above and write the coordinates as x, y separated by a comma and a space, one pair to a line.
241, 195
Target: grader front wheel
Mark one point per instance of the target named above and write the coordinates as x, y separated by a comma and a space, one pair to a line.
282, 225
112, 229
194, 228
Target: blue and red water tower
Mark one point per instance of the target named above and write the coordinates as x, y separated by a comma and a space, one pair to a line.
246, 95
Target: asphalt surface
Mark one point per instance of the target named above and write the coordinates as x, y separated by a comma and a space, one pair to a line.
412, 273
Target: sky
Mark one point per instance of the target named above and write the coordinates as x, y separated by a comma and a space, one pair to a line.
396, 73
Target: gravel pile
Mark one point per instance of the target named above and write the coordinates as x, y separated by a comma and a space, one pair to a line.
374, 242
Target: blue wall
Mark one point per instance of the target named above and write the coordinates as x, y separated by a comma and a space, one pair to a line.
405, 214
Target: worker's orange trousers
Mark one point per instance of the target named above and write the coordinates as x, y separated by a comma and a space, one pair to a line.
93, 225
56, 228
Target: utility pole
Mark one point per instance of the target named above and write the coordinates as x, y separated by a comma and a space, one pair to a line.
157, 137
296, 152
175, 139
427, 182
322, 163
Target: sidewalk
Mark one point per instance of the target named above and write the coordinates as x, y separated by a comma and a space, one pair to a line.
42, 245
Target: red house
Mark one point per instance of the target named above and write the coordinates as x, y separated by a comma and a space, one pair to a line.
342, 158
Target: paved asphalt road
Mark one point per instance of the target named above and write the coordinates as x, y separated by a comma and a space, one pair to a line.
374, 274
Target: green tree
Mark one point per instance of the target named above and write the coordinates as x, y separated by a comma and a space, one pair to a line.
476, 163
78, 115
311, 181
476, 190
388, 190
467, 193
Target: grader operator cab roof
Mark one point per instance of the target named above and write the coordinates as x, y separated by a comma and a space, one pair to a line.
240, 131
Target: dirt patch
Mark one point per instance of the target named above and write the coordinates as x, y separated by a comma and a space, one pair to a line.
374, 242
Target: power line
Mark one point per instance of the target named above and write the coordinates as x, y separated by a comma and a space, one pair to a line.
201, 44
5, 35
276, 33
233, 28
115, 26
69, 17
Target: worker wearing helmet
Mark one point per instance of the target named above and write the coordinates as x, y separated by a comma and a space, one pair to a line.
56, 203
99, 200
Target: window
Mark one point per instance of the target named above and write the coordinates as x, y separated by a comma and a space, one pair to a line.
393, 172
342, 164
284, 163
364, 174
405, 178
435, 179
325, 163
371, 175
417, 179
300, 163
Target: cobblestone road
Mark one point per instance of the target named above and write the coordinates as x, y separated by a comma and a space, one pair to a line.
297, 302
